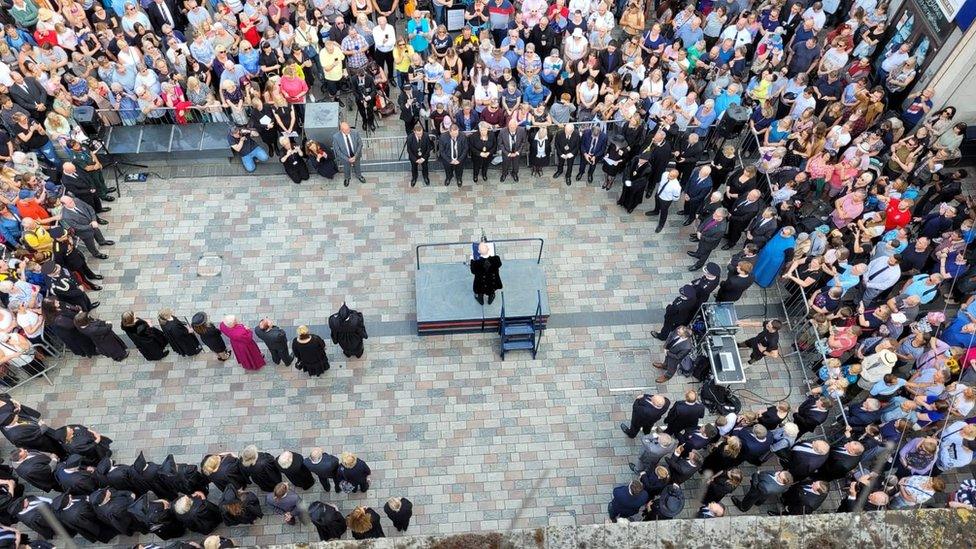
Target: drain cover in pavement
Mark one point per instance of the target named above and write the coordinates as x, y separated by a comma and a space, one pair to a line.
209, 265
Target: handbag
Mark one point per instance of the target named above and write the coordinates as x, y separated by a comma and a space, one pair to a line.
346, 487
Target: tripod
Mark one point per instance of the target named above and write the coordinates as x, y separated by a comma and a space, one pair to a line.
119, 173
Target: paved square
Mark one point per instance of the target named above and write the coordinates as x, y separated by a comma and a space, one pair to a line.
473, 441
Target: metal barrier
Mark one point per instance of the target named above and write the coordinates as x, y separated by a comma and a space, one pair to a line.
538, 257
52, 350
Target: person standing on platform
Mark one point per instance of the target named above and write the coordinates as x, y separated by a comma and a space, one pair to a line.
636, 178
677, 348
419, 147
482, 145
348, 331
668, 190
567, 143
709, 235
679, 312
645, 412
511, 144
348, 148
453, 151
242, 342
275, 340
487, 278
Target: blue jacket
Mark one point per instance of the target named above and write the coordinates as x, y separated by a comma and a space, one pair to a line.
626, 505
601, 143
698, 190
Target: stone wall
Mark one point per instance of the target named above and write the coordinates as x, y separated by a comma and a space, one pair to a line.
923, 529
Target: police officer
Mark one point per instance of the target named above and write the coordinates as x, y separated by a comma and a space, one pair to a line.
66, 288
680, 311
706, 284
67, 255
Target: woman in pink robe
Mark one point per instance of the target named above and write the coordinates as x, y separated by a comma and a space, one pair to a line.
246, 350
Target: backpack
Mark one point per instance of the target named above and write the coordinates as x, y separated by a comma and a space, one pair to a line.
702, 369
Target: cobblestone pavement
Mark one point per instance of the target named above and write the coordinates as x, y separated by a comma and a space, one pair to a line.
474, 442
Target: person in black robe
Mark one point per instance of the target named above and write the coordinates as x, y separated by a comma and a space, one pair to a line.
11, 490
321, 159
35, 468
74, 477
148, 339
325, 466
327, 519
210, 335
77, 514
197, 514
120, 477
156, 516
68, 256
106, 341
292, 465
486, 270
153, 477
261, 467
365, 523
679, 312
659, 156
60, 317
239, 507
353, 471
224, 470
181, 338
183, 478
66, 288
399, 510
82, 441
112, 508
732, 288
293, 161
309, 351
32, 434
10, 407
348, 331
27, 513
636, 178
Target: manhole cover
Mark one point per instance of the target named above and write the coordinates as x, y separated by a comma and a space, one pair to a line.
209, 265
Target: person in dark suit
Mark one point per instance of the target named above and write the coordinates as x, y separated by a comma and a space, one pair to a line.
679, 312
81, 217
453, 151
755, 443
764, 485
239, 507
328, 521
567, 143
688, 156
860, 415
741, 215
292, 465
610, 59
806, 457
732, 288
164, 12
482, 145
540, 149
677, 347
511, 143
697, 439
224, 469
805, 498
659, 152
111, 507
486, 270
35, 468
82, 186
645, 412
593, 145
722, 485
843, 458
399, 511
74, 477
354, 471
709, 235
77, 515
683, 468
325, 466
627, 500
812, 412
364, 87
765, 343
261, 467
697, 188
684, 414
29, 94
762, 228
419, 147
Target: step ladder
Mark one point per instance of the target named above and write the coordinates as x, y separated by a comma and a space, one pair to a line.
521, 333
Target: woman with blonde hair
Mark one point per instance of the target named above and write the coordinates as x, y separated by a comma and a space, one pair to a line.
353, 473
181, 338
232, 98
725, 456
722, 485
149, 340
399, 511
365, 523
224, 470
309, 351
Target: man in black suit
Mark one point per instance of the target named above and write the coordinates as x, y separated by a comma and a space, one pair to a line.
709, 235
679, 312
419, 147
806, 457
764, 485
812, 412
696, 190
410, 105
755, 444
677, 347
697, 439
687, 157
646, 411
842, 459
567, 144
610, 58
165, 12
685, 414
453, 151
593, 145
805, 498
82, 187
29, 94
741, 215
762, 228
659, 152
683, 468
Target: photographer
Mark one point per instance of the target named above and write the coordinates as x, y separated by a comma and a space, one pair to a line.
242, 142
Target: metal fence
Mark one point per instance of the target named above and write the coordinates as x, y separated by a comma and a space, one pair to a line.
45, 356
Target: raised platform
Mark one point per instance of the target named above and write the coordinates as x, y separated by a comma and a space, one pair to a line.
446, 304
169, 141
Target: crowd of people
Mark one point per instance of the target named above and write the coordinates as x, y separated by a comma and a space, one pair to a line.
851, 206
100, 499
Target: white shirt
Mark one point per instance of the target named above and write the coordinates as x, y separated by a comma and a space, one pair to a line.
894, 60
819, 18
384, 39
952, 452
5, 75
739, 37
668, 189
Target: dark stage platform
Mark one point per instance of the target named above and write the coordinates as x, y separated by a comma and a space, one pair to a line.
446, 304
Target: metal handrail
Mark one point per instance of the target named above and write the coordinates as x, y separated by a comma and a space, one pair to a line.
538, 260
